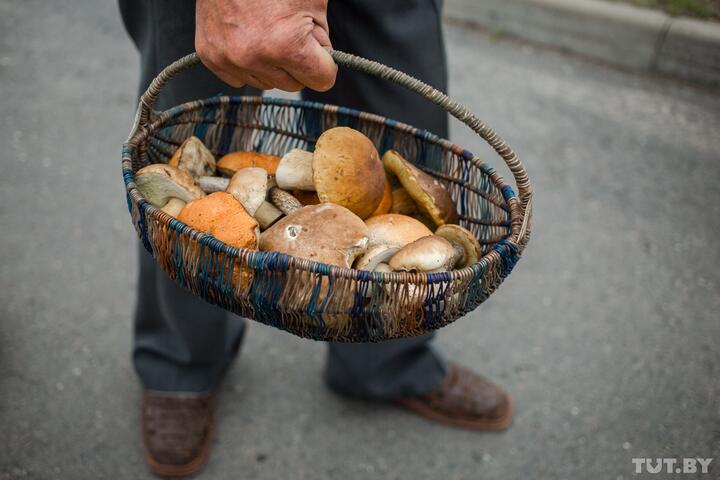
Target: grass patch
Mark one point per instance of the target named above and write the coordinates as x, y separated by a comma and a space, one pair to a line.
707, 9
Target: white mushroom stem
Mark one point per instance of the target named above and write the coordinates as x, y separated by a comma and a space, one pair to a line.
173, 207
212, 184
374, 256
295, 172
267, 214
284, 201
463, 241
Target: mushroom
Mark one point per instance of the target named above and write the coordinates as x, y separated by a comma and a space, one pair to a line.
382, 268
374, 256
249, 187
325, 233
402, 202
212, 184
295, 171
463, 241
193, 157
428, 255
344, 169
232, 162
267, 214
159, 182
428, 193
386, 202
223, 217
347, 171
173, 207
305, 197
394, 230
284, 201
425, 220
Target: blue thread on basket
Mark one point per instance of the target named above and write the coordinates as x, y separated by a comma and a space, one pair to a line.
313, 122
368, 325
388, 140
507, 192
347, 117
227, 130
434, 302
465, 177
421, 157
177, 251
142, 225
201, 128
508, 256
475, 290
270, 273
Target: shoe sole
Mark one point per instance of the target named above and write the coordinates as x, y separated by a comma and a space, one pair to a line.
420, 408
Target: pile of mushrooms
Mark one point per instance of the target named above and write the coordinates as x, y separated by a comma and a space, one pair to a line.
339, 204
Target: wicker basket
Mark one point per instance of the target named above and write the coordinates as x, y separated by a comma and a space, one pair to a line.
311, 299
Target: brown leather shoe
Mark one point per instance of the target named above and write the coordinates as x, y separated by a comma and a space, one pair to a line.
464, 400
177, 432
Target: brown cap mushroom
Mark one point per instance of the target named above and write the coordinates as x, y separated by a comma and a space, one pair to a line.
429, 194
373, 256
295, 171
402, 202
347, 171
325, 233
427, 255
223, 217
232, 162
159, 182
193, 157
249, 187
386, 202
395, 230
463, 241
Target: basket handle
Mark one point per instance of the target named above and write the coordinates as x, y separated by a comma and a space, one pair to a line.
525, 193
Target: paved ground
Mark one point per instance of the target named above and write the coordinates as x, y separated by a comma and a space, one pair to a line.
607, 333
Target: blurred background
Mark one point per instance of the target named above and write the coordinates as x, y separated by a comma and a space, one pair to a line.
606, 334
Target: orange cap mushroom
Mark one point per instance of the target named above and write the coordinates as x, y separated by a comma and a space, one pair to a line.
232, 162
223, 217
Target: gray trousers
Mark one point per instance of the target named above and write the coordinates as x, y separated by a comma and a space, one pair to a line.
184, 344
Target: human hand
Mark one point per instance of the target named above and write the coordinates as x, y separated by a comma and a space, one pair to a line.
266, 43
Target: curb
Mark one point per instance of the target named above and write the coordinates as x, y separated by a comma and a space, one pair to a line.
631, 37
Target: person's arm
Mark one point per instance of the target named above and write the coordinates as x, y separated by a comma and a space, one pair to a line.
266, 43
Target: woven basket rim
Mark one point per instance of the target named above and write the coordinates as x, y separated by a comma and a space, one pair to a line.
255, 257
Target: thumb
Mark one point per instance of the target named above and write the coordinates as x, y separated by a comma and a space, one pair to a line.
317, 70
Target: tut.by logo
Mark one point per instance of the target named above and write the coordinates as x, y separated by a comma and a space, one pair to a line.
672, 465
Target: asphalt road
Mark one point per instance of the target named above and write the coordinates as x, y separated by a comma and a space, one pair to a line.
607, 332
